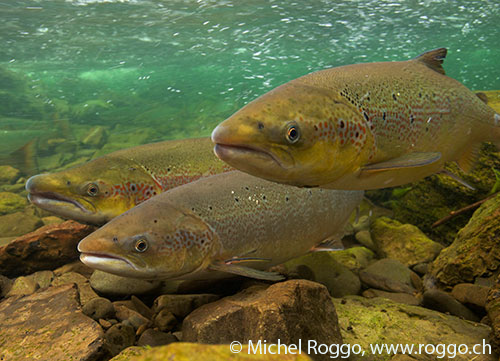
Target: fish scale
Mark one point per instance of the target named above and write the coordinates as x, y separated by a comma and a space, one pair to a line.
361, 126
214, 222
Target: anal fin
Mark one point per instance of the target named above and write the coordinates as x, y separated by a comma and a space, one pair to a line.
246, 271
411, 160
469, 157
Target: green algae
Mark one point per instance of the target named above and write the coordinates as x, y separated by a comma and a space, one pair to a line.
404, 242
475, 252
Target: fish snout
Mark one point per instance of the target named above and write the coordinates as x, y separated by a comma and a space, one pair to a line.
33, 182
218, 134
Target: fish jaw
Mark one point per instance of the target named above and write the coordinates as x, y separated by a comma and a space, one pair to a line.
110, 264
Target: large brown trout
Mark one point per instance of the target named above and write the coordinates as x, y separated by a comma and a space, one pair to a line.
104, 188
362, 126
231, 223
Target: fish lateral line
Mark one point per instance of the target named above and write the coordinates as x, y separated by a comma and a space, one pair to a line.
246, 259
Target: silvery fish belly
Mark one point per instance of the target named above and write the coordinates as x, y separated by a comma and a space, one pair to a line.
105, 187
231, 223
362, 126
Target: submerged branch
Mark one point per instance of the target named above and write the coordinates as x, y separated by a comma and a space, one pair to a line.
462, 210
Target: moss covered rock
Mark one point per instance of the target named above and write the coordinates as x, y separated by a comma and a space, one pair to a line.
475, 251
424, 202
11, 202
354, 258
404, 242
324, 268
18, 224
8, 174
380, 321
192, 351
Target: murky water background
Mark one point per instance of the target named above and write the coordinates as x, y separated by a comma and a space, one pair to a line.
153, 70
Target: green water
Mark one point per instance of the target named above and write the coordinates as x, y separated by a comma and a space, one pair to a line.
154, 70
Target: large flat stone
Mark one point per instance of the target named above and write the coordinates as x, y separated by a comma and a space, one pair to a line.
44, 249
48, 325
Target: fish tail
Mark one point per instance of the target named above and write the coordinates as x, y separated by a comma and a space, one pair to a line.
25, 158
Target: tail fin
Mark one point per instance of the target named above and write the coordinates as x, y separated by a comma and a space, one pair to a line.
25, 158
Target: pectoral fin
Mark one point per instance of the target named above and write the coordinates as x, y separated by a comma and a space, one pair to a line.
412, 160
246, 271
458, 179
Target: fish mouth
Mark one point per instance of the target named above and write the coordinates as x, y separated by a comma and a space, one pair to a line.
49, 200
106, 262
230, 152
67, 207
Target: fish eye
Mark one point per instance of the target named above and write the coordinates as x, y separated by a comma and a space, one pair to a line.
141, 245
92, 189
293, 134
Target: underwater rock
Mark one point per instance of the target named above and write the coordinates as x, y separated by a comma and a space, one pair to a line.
181, 351
475, 251
51, 220
118, 337
77, 267
153, 338
48, 325
130, 353
69, 277
140, 307
8, 174
379, 321
182, 305
365, 238
18, 223
493, 310
47, 248
84, 290
404, 242
434, 197
5, 285
134, 318
11, 202
23, 286
388, 275
337, 278
98, 308
468, 293
109, 284
288, 311
443, 302
165, 320
393, 296
421, 268
354, 258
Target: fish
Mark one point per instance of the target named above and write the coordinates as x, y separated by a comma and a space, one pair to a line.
217, 227
359, 127
101, 189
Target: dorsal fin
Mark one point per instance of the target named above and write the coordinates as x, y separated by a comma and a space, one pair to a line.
433, 59
482, 96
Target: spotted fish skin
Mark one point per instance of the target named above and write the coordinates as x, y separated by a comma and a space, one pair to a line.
352, 118
123, 179
230, 216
